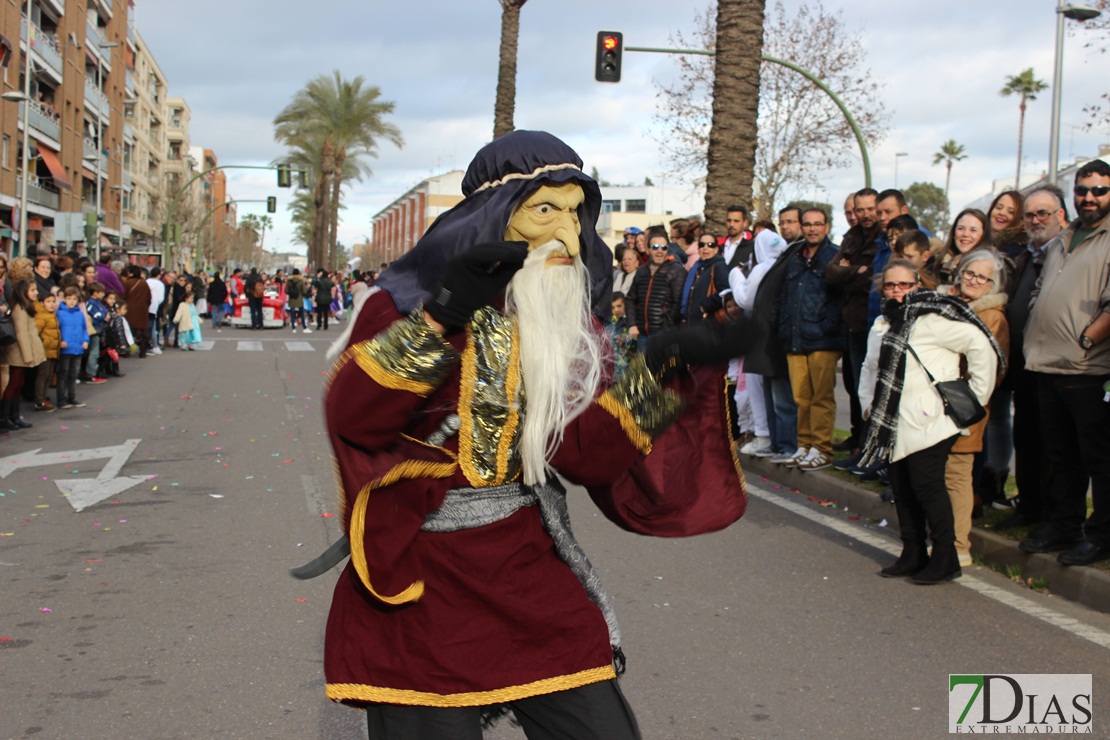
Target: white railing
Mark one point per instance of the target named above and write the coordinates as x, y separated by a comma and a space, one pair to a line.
45, 46
44, 118
37, 192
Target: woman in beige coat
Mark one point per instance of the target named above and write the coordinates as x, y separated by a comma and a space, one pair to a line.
26, 352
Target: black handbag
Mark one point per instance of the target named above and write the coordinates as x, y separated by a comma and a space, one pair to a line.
7, 329
960, 404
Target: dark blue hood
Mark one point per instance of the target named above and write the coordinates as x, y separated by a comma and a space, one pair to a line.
502, 175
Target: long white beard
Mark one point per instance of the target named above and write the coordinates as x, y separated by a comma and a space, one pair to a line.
560, 357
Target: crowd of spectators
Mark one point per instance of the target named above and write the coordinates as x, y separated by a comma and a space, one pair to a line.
66, 321
1016, 301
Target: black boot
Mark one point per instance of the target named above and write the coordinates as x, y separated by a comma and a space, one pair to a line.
5, 411
944, 565
17, 421
914, 559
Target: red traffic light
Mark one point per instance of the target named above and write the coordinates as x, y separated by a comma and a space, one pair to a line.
607, 62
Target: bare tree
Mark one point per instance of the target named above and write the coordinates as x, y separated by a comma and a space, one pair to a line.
801, 132
505, 106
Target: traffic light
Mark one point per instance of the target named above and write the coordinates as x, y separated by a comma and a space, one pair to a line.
610, 46
271, 205
303, 174
285, 176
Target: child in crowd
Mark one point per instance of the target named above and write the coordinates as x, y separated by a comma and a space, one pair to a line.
914, 246
98, 314
188, 323
74, 341
123, 331
111, 340
46, 319
624, 346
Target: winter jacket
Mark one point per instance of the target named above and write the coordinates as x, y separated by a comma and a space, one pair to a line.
73, 329
858, 248
878, 263
139, 302
296, 284
47, 324
1026, 274
809, 308
98, 312
108, 279
654, 302
991, 310
1072, 290
708, 278
217, 292
939, 342
27, 350
184, 317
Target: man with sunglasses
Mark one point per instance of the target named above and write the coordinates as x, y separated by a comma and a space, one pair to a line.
654, 301
1065, 344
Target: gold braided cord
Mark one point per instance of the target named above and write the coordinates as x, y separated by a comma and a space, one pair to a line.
640, 440
467, 389
407, 356
731, 446
363, 692
407, 469
642, 406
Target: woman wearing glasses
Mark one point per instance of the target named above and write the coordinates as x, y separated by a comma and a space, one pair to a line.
980, 288
907, 426
701, 295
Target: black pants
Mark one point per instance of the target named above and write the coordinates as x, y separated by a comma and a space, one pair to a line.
596, 711
1030, 459
1075, 422
256, 311
67, 378
322, 311
921, 497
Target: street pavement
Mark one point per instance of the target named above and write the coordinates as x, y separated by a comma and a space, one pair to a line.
165, 610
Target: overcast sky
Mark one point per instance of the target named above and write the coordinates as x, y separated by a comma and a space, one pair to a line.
940, 63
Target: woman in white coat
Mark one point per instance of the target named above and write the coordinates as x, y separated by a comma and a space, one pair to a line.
906, 422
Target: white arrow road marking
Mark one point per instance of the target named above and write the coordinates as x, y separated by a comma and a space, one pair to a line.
82, 492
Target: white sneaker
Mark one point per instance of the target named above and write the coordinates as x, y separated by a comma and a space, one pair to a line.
795, 459
294, 330
760, 447
815, 460
307, 331
782, 458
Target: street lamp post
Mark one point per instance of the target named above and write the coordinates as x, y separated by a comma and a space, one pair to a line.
897, 156
1076, 13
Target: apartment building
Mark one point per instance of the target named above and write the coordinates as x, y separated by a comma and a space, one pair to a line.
399, 225
72, 105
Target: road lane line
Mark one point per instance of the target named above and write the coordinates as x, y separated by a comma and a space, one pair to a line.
976, 584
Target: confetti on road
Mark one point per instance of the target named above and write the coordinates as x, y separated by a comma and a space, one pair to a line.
327, 514
299, 601
45, 610
216, 495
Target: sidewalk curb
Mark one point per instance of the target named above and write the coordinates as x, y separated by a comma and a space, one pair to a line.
1087, 586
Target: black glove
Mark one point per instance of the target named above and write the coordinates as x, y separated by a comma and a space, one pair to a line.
712, 304
473, 279
703, 343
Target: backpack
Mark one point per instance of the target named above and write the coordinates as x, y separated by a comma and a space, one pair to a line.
259, 289
293, 288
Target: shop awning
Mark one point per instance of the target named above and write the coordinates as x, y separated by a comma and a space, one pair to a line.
55, 166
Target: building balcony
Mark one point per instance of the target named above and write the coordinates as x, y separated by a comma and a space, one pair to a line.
126, 179
37, 192
129, 84
128, 131
43, 119
45, 47
107, 6
96, 99
58, 6
94, 37
131, 34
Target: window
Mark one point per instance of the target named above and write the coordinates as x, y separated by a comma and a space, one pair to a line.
610, 206
4, 148
635, 206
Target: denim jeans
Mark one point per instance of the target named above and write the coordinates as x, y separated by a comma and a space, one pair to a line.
217, 310
782, 414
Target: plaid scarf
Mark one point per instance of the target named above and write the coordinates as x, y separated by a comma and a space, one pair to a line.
882, 425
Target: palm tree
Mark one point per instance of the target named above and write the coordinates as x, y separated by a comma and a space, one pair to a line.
506, 68
339, 120
1027, 86
949, 153
732, 136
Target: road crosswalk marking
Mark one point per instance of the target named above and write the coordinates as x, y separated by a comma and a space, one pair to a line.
300, 347
245, 346
205, 346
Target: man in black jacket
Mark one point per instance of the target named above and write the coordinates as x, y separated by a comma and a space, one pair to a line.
654, 301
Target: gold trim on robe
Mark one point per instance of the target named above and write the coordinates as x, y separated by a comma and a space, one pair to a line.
642, 406
408, 356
